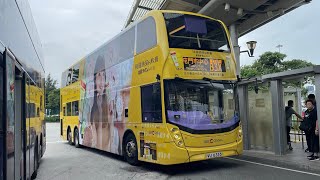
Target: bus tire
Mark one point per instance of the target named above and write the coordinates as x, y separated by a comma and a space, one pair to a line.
35, 161
131, 150
69, 136
41, 147
76, 138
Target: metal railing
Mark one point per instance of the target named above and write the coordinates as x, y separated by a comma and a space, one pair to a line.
298, 135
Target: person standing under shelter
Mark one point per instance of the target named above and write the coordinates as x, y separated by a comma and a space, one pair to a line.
311, 97
289, 111
312, 118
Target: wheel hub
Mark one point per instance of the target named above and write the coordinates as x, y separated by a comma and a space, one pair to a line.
76, 140
131, 149
69, 136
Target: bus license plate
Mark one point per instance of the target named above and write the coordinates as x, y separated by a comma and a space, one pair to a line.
214, 155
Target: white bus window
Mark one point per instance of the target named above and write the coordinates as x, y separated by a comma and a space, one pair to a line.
146, 35
127, 44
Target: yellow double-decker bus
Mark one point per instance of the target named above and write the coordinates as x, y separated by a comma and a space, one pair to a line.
162, 91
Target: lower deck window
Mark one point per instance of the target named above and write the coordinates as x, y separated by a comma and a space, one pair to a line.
151, 103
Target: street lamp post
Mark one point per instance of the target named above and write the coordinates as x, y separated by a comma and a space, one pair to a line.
279, 46
251, 46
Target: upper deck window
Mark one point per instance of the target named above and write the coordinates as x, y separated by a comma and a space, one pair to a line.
194, 32
75, 73
146, 35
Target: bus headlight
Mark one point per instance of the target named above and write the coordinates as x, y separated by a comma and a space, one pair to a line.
180, 143
240, 132
174, 130
177, 137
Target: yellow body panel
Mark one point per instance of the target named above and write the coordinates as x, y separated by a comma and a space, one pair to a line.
35, 124
69, 94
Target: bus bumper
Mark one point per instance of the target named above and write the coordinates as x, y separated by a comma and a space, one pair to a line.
170, 153
205, 153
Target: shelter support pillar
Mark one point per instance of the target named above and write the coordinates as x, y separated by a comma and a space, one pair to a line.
244, 114
279, 124
234, 39
317, 94
299, 99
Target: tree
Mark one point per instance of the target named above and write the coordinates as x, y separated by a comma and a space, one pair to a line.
295, 64
50, 85
52, 95
54, 101
272, 62
269, 62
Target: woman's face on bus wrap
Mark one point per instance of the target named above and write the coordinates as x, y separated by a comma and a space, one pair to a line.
100, 82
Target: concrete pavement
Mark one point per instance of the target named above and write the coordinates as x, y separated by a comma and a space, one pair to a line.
62, 161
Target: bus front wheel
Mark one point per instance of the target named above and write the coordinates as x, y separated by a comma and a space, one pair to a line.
36, 161
131, 150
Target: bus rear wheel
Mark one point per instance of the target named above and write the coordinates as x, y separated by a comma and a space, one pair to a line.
131, 150
69, 134
76, 138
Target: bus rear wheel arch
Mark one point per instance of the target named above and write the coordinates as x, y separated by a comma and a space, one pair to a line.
130, 149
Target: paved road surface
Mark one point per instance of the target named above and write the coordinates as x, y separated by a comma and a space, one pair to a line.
62, 161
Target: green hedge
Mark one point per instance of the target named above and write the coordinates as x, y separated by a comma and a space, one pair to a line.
52, 119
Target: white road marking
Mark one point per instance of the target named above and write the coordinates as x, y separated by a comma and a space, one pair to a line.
276, 167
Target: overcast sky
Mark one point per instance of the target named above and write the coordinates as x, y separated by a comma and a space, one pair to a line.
71, 29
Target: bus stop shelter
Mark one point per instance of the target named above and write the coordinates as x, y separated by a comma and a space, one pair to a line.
262, 113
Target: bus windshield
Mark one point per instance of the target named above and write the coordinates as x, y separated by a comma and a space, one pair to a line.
200, 105
194, 32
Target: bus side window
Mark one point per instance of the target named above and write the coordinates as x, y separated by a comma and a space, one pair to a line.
75, 109
75, 73
32, 108
151, 103
146, 35
69, 109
